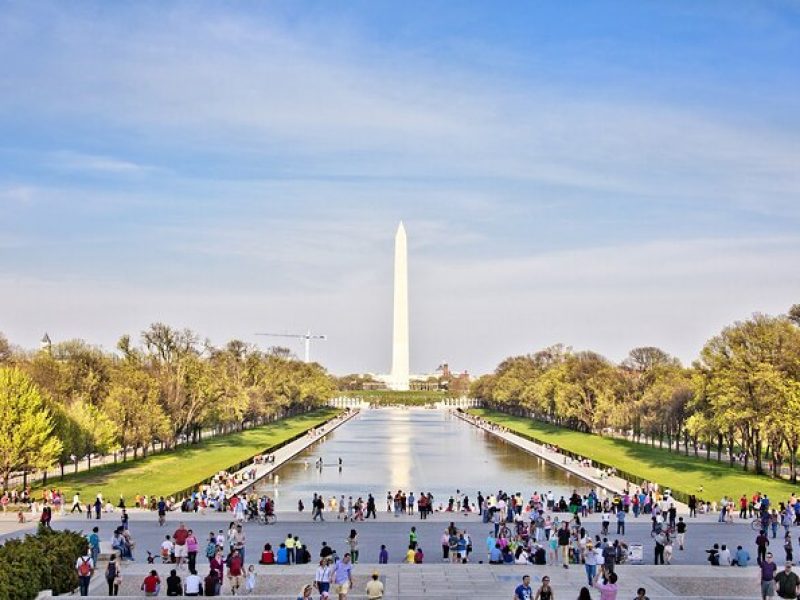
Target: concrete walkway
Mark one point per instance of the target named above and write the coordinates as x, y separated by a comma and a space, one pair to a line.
613, 484
437, 580
289, 451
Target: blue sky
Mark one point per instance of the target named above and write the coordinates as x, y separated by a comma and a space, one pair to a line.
601, 174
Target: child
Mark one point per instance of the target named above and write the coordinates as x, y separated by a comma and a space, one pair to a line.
250, 582
166, 550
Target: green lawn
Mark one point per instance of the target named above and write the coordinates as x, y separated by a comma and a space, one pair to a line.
165, 473
681, 473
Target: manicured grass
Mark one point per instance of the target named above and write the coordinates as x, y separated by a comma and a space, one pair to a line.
165, 473
409, 398
669, 469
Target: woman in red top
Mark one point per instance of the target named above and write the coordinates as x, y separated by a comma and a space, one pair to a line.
267, 556
151, 584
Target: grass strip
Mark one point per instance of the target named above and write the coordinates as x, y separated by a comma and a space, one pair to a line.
166, 472
687, 474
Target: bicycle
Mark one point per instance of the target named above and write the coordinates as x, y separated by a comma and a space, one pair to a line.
757, 525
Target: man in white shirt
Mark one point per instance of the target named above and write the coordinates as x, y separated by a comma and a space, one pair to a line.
193, 585
76, 503
374, 587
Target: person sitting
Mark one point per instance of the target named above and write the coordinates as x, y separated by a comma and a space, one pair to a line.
495, 555
302, 555
418, 556
742, 557
713, 555
508, 556
174, 587
211, 583
283, 555
539, 555
267, 556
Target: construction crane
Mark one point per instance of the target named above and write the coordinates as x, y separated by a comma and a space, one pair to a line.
308, 336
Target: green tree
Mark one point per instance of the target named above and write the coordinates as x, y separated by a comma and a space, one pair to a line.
26, 427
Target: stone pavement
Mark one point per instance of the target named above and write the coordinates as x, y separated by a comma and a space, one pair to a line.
448, 581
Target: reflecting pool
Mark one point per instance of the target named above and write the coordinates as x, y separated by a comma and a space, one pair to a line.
413, 449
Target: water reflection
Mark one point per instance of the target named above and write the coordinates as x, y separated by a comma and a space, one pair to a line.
413, 450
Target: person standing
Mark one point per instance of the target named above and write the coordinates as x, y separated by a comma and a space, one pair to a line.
85, 568
192, 547
98, 507
371, 507
608, 586
590, 562
767, 572
620, 522
179, 540
788, 582
289, 543
352, 543
343, 577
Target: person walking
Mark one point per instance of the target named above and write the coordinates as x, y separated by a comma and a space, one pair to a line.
661, 541
523, 591
762, 542
767, 572
322, 578
352, 543
343, 577
374, 587
680, 527
545, 592
787, 582
76, 503
114, 574
85, 568
564, 536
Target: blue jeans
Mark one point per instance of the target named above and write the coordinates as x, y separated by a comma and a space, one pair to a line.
83, 581
590, 572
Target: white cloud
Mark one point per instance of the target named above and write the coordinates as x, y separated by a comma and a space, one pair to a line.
674, 294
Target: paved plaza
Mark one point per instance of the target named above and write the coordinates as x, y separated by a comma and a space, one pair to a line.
688, 576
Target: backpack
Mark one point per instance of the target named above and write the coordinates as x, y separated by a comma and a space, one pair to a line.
111, 571
211, 549
84, 569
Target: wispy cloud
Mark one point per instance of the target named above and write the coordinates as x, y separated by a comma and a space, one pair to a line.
96, 163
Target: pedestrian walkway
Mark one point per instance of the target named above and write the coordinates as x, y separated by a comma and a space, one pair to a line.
287, 452
613, 484
433, 581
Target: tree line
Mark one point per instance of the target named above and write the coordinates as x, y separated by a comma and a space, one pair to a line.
740, 397
73, 400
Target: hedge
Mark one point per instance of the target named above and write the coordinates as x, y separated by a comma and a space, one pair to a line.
45, 561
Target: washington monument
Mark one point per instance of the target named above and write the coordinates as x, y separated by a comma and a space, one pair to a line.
398, 378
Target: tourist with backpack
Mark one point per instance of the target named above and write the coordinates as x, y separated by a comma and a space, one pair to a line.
114, 575
85, 567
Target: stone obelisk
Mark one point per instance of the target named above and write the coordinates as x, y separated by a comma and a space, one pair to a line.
399, 375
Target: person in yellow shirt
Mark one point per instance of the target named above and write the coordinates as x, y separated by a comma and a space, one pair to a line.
410, 555
374, 587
